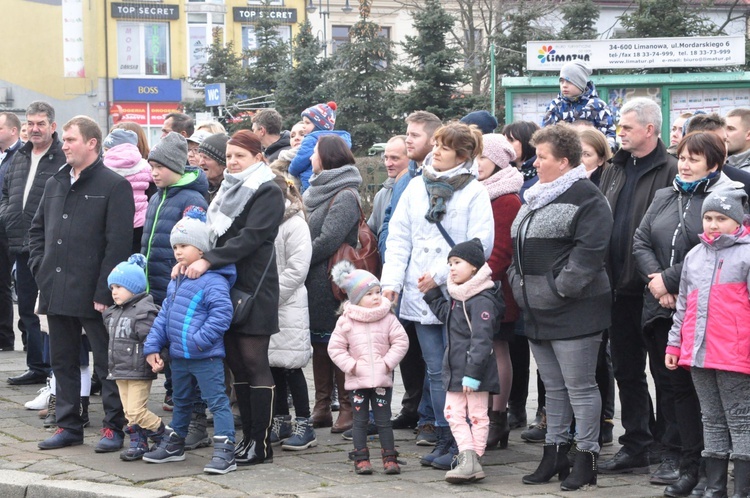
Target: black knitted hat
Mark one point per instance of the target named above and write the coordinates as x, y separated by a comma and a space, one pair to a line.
215, 147
470, 251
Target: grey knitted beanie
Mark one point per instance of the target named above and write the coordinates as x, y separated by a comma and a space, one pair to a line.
729, 202
577, 73
171, 152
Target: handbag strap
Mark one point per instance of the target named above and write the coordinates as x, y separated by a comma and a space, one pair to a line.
682, 219
348, 189
265, 271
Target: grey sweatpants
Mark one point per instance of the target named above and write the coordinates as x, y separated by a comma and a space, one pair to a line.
725, 403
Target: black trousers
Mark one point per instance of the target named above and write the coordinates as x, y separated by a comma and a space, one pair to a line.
628, 348
65, 348
412, 369
520, 358
7, 336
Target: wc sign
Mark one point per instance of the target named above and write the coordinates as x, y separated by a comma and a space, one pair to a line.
216, 94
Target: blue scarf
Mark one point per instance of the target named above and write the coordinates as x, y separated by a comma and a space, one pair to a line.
696, 186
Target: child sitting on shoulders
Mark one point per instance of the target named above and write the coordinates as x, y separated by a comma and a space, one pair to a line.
128, 322
472, 314
194, 317
710, 336
367, 345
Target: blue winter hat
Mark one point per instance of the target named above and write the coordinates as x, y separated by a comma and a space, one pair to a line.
482, 119
130, 274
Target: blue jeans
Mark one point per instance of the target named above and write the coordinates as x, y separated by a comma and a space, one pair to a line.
209, 373
568, 370
432, 341
27, 292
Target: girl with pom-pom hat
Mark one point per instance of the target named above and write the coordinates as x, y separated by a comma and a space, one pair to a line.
367, 344
128, 322
319, 120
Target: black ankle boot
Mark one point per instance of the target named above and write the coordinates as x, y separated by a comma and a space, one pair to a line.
685, 483
741, 479
499, 430
716, 477
554, 461
85, 411
584, 471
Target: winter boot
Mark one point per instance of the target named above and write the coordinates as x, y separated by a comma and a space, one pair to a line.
554, 461
242, 391
303, 436
467, 469
96, 384
259, 450
281, 429
222, 461
444, 442
390, 462
499, 430
716, 477
156, 436
686, 482
362, 463
584, 471
323, 379
85, 411
50, 420
197, 436
171, 449
448, 460
335, 404
538, 432
344, 421
516, 415
138, 444
741, 479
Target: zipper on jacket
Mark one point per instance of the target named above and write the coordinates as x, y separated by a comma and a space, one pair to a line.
523, 226
151, 238
372, 355
714, 279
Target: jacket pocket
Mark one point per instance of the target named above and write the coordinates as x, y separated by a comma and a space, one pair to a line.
542, 292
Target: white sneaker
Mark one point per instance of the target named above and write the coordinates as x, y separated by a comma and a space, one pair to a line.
41, 400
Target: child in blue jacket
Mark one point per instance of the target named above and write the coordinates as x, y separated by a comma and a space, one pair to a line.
319, 120
194, 317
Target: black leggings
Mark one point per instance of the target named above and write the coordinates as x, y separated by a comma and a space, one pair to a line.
294, 379
247, 356
379, 399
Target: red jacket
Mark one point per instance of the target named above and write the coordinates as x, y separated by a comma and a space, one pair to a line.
504, 211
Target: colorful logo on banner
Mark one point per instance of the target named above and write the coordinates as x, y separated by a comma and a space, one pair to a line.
545, 52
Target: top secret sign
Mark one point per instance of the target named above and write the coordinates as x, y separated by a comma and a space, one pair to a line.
252, 14
637, 53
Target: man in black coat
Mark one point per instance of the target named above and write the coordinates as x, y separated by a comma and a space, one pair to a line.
81, 231
31, 167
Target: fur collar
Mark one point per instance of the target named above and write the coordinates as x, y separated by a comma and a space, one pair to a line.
481, 281
368, 315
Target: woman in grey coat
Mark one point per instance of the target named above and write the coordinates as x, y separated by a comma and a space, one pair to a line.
332, 203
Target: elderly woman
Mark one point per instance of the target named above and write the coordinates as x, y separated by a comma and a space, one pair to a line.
332, 203
244, 220
560, 238
445, 205
666, 234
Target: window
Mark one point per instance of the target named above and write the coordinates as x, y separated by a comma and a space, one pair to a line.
265, 2
201, 30
339, 36
142, 49
250, 41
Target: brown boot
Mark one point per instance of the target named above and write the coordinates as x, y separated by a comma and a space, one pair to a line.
344, 421
323, 379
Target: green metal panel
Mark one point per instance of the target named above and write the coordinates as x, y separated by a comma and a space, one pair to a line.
666, 82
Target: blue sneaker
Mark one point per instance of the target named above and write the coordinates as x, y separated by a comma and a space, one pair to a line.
60, 439
110, 441
446, 461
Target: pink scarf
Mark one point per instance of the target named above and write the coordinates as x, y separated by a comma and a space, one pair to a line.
482, 280
506, 181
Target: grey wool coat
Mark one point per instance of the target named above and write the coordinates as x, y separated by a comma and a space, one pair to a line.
331, 224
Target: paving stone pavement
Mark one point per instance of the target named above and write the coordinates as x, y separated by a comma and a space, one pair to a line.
323, 471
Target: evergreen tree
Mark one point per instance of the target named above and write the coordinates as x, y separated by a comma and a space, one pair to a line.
432, 67
297, 86
269, 58
362, 81
580, 20
666, 18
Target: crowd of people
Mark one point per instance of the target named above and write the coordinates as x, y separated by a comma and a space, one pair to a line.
214, 259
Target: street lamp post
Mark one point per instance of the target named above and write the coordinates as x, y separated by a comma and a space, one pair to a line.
323, 14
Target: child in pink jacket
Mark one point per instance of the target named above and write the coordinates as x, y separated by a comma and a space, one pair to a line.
367, 344
122, 156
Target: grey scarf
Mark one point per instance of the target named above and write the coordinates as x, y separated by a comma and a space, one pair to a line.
328, 183
540, 194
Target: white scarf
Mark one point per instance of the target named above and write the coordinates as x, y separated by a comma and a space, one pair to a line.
235, 192
540, 194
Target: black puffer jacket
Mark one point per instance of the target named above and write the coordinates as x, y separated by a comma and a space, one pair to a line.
14, 215
659, 244
128, 325
469, 348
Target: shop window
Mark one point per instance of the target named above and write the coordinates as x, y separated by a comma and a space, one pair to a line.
202, 28
250, 41
340, 35
142, 49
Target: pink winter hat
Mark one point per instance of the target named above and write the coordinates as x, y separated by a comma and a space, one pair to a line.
498, 150
356, 283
